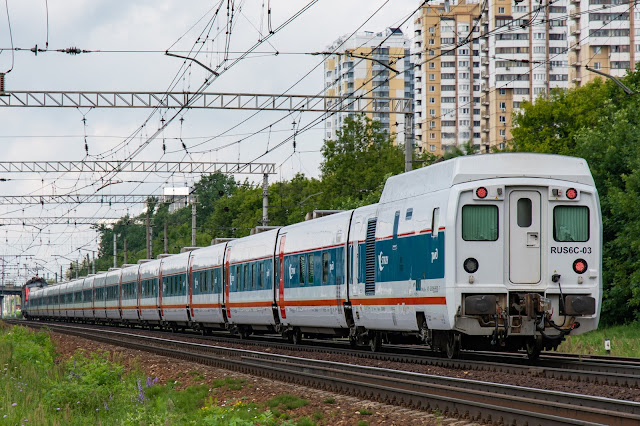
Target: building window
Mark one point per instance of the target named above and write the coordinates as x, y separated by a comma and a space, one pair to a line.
432, 30
432, 100
503, 119
432, 77
503, 132
501, 10
596, 65
432, 148
432, 124
432, 88
503, 106
432, 65
502, 91
432, 135
432, 41
432, 112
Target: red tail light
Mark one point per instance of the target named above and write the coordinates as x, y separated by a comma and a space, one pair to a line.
482, 192
580, 266
572, 193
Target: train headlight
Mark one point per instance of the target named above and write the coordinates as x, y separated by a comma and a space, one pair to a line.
482, 192
470, 265
580, 266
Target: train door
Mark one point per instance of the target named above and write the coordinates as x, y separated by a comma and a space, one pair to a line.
283, 313
227, 281
190, 312
524, 237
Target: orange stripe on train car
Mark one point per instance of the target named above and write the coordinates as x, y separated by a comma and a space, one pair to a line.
400, 301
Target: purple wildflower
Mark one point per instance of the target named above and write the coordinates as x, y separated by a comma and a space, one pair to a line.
14, 404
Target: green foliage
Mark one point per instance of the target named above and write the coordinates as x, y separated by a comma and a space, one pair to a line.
330, 401
229, 383
365, 412
356, 163
601, 124
27, 347
287, 402
625, 341
238, 414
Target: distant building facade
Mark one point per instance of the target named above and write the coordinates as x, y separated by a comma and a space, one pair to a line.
468, 91
358, 69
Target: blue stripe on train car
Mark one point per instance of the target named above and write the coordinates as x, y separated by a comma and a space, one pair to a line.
327, 268
415, 257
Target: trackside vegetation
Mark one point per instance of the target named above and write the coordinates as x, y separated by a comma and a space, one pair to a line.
95, 388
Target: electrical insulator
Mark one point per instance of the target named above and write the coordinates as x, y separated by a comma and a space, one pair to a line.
1, 82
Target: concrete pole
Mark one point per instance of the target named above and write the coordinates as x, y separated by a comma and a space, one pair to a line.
125, 251
193, 222
265, 200
93, 263
88, 263
408, 141
115, 253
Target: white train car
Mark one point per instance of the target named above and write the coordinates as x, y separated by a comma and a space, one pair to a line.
312, 276
76, 288
130, 294
497, 251
149, 302
206, 300
534, 221
249, 289
112, 302
87, 298
100, 297
174, 297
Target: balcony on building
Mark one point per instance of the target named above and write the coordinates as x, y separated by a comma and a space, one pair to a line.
575, 30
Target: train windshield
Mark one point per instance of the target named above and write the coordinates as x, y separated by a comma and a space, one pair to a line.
571, 223
479, 223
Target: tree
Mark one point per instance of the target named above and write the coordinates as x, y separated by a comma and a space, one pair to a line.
358, 160
601, 124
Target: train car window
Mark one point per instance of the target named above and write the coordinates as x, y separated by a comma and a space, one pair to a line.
260, 274
479, 223
301, 269
435, 222
254, 277
396, 222
245, 278
237, 279
524, 212
571, 223
325, 268
310, 269
409, 214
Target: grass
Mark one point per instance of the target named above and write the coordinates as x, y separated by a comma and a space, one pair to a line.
95, 388
625, 341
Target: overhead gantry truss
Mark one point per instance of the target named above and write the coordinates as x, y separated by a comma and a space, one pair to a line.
85, 199
43, 221
136, 167
228, 101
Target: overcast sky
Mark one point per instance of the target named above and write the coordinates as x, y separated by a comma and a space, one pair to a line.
133, 36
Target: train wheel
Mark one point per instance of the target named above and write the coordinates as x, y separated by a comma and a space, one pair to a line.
533, 349
353, 341
452, 348
376, 342
244, 333
296, 336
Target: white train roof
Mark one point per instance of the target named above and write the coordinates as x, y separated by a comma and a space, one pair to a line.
470, 168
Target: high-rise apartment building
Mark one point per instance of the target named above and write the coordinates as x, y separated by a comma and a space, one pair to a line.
365, 65
477, 61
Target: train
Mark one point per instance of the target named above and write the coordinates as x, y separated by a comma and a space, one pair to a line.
481, 252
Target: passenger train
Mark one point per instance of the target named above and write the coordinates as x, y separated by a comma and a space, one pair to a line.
499, 252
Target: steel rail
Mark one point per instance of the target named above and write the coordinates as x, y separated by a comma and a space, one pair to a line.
456, 401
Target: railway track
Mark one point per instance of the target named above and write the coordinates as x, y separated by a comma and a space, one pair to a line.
597, 370
466, 399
